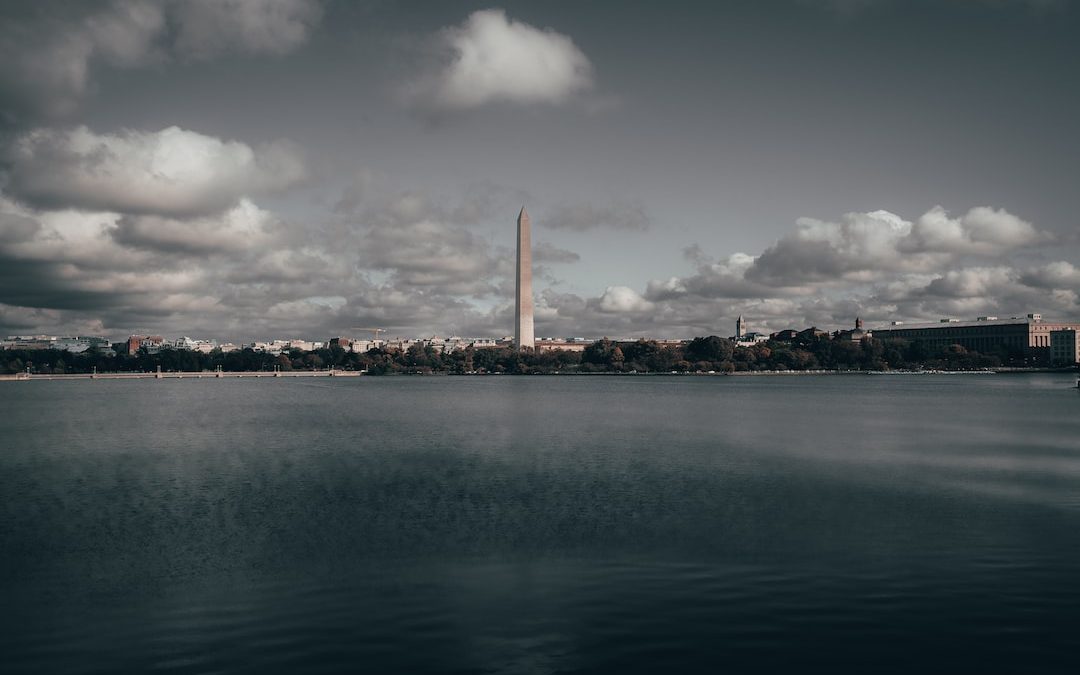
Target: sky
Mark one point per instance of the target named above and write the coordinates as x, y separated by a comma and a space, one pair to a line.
245, 169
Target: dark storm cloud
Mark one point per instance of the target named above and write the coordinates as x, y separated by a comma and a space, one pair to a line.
42, 284
621, 215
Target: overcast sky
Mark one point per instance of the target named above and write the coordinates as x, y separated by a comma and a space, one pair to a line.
237, 169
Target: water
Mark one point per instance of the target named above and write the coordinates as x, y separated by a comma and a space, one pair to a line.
541, 525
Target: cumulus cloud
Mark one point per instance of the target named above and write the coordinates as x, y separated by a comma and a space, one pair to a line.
408, 266
867, 246
244, 226
1059, 274
617, 215
48, 50
726, 279
818, 250
620, 300
982, 231
172, 172
491, 58
876, 264
971, 282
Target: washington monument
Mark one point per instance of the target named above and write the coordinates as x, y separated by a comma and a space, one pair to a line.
523, 306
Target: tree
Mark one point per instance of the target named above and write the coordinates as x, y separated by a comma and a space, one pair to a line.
711, 348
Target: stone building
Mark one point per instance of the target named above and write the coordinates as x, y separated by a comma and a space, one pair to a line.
1029, 335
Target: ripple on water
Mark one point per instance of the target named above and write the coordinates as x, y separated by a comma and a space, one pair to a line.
542, 525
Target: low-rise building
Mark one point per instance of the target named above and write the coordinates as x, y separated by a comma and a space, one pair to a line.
1029, 335
30, 342
151, 343
559, 344
202, 346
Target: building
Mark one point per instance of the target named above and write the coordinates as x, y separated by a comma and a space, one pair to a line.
1064, 347
30, 342
556, 344
811, 334
523, 303
1029, 336
858, 334
744, 337
343, 342
202, 346
151, 343
786, 335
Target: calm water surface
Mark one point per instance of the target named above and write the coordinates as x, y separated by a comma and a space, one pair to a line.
541, 525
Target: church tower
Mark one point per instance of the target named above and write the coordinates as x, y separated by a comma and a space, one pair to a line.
740, 327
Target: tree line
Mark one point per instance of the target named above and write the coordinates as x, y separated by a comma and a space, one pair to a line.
702, 354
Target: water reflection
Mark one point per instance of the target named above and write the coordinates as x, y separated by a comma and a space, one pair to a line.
541, 524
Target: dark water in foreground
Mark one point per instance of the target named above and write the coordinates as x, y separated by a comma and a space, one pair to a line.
540, 525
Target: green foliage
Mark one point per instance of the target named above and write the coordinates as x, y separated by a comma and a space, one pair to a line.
703, 354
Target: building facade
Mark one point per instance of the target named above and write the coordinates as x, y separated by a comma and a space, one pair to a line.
1029, 335
1064, 347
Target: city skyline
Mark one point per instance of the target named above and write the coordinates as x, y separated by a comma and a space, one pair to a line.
190, 168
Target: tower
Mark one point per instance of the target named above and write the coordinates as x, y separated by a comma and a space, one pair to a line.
858, 323
740, 327
523, 305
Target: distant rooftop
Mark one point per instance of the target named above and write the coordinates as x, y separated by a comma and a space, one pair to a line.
958, 323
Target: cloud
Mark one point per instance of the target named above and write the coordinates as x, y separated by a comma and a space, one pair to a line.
619, 215
620, 300
545, 252
491, 58
208, 28
242, 227
45, 54
723, 279
981, 231
867, 246
820, 250
403, 262
1060, 274
429, 254
172, 172
49, 50
971, 282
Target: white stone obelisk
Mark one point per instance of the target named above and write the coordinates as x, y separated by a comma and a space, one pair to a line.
523, 305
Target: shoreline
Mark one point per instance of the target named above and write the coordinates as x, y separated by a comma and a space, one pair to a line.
208, 375
23, 377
